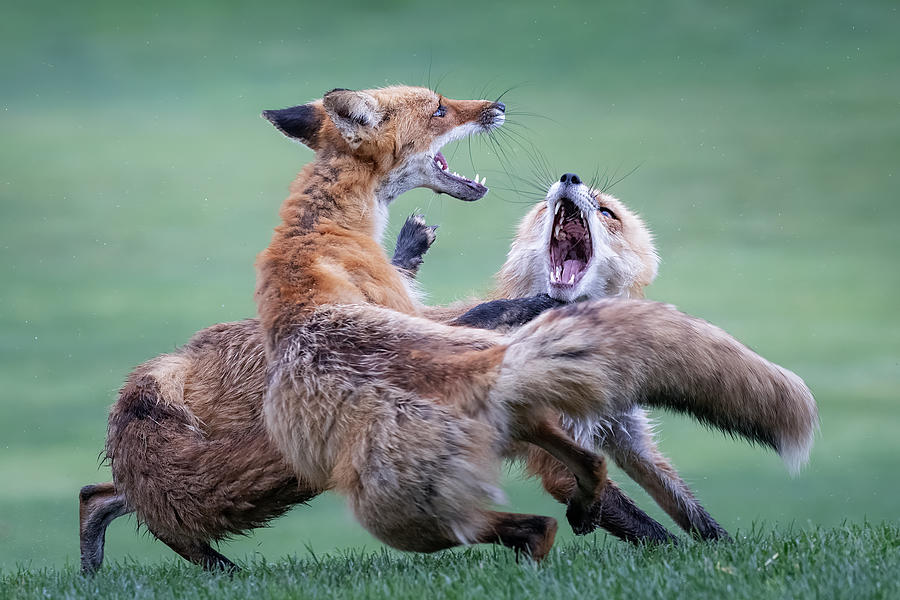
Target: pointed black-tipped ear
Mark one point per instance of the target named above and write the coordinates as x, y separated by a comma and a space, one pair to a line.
354, 114
301, 123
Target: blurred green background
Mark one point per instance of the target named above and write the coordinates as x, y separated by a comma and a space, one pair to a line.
137, 184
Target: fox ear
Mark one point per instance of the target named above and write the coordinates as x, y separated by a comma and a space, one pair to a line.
353, 113
301, 123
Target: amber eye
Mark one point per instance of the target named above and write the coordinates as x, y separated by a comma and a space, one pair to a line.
440, 112
608, 213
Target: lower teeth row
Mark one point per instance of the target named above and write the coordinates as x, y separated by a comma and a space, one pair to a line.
476, 180
556, 276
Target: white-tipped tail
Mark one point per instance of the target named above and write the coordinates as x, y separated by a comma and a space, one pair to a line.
599, 359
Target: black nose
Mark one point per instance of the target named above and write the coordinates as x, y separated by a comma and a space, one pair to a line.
570, 178
499, 106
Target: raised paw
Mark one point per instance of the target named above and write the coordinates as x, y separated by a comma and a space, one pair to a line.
414, 240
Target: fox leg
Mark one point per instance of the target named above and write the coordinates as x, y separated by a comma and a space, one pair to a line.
202, 554
506, 313
503, 314
632, 447
98, 506
588, 469
531, 535
424, 435
577, 477
413, 241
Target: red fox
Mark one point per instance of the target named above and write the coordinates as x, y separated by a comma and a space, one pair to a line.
410, 419
606, 251
207, 470
212, 472
219, 379
210, 392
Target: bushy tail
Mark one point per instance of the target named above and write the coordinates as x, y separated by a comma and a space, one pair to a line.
597, 359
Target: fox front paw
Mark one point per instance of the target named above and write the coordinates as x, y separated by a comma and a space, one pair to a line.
414, 240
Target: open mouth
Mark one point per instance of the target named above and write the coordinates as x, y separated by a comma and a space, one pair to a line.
570, 245
457, 185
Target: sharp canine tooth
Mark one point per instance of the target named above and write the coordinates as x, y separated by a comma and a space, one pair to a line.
484, 180
558, 206
571, 278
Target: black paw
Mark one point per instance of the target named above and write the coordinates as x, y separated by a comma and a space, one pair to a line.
414, 240
617, 514
584, 518
710, 531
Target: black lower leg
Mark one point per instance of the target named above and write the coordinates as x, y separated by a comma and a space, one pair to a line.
97, 513
620, 516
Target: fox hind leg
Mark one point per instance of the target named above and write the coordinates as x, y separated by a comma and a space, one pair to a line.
632, 447
531, 535
98, 506
621, 517
101, 504
593, 500
202, 554
588, 468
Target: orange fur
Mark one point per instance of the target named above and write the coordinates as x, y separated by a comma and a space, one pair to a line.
428, 371
355, 399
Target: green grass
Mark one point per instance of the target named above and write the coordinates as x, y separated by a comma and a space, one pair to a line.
847, 562
137, 184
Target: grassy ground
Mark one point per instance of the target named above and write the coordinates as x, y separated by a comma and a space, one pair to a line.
137, 184
848, 562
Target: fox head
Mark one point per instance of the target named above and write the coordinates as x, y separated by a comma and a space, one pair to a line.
579, 243
397, 132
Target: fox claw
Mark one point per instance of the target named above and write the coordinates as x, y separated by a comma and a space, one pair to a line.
414, 240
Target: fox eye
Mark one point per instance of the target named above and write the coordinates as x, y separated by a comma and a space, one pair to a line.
608, 213
440, 112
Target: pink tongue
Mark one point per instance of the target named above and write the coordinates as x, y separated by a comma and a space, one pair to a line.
570, 268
